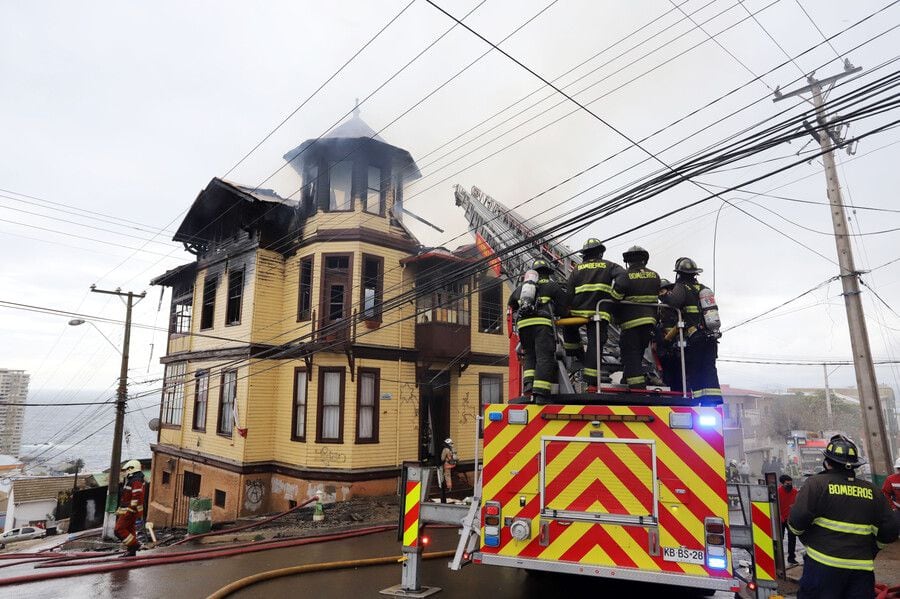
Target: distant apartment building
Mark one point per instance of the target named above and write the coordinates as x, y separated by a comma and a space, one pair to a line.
314, 344
13, 391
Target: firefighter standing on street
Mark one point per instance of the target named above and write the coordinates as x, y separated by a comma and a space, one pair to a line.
701, 328
843, 522
535, 328
638, 285
589, 283
131, 506
787, 495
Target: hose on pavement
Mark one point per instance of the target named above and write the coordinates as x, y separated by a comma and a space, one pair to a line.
243, 583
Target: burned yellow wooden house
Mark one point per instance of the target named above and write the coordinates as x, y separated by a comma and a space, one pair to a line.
314, 344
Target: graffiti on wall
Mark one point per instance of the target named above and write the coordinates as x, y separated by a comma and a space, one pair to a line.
409, 397
254, 492
327, 493
464, 410
284, 488
329, 456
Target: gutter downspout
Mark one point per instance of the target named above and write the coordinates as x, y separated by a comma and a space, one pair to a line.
399, 366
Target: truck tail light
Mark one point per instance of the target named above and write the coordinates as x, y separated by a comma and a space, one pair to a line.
716, 552
492, 519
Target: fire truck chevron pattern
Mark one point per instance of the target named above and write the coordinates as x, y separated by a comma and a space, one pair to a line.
607, 486
411, 505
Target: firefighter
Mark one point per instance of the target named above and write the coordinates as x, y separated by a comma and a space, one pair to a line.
589, 283
665, 338
535, 328
131, 506
449, 459
787, 495
701, 328
638, 285
843, 522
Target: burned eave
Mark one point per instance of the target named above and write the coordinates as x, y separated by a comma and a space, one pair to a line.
177, 276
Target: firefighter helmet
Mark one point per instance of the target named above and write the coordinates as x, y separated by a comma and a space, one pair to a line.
541, 265
687, 266
636, 254
448, 441
593, 246
665, 283
897, 464
132, 466
842, 450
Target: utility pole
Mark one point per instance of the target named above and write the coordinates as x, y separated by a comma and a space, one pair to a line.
872, 416
115, 461
829, 419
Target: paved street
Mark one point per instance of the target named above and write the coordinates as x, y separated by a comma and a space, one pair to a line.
199, 579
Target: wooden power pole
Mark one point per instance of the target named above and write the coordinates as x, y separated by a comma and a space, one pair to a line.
115, 461
876, 441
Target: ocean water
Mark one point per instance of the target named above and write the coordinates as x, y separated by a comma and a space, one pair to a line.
55, 435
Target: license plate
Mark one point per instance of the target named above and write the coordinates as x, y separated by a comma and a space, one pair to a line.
683, 554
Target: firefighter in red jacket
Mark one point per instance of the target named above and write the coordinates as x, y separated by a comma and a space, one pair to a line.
842, 521
131, 506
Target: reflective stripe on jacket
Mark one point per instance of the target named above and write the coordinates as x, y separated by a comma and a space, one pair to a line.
590, 282
551, 301
640, 285
842, 520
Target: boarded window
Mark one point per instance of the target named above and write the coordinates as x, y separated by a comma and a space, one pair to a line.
227, 397
173, 393
201, 396
235, 297
372, 286
331, 405
374, 196
208, 311
304, 301
341, 185
298, 425
367, 406
490, 307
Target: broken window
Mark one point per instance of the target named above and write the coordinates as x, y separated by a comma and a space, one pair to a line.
372, 286
208, 311
235, 295
227, 397
489, 391
201, 397
331, 405
310, 188
374, 196
173, 393
304, 301
367, 406
220, 498
298, 426
490, 307
448, 304
341, 186
335, 294
182, 309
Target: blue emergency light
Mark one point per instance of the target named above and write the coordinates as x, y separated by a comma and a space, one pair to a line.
717, 563
495, 416
707, 420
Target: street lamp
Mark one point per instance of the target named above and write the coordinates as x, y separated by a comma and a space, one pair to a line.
115, 463
80, 321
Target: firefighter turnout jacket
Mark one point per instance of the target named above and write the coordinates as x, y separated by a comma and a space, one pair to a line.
590, 282
548, 292
842, 521
640, 285
132, 498
685, 295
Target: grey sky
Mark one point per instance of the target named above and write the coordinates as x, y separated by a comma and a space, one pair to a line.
128, 109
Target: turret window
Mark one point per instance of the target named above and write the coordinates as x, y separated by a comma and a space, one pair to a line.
341, 187
374, 203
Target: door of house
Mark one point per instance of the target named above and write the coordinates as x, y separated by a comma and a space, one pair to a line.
434, 414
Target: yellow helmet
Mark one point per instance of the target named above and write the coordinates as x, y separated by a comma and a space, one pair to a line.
132, 466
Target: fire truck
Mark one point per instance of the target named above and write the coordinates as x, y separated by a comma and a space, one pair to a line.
618, 484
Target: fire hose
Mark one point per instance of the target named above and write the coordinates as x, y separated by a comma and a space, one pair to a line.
246, 526
126, 563
243, 583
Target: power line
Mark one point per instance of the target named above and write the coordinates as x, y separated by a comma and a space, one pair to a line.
808, 16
